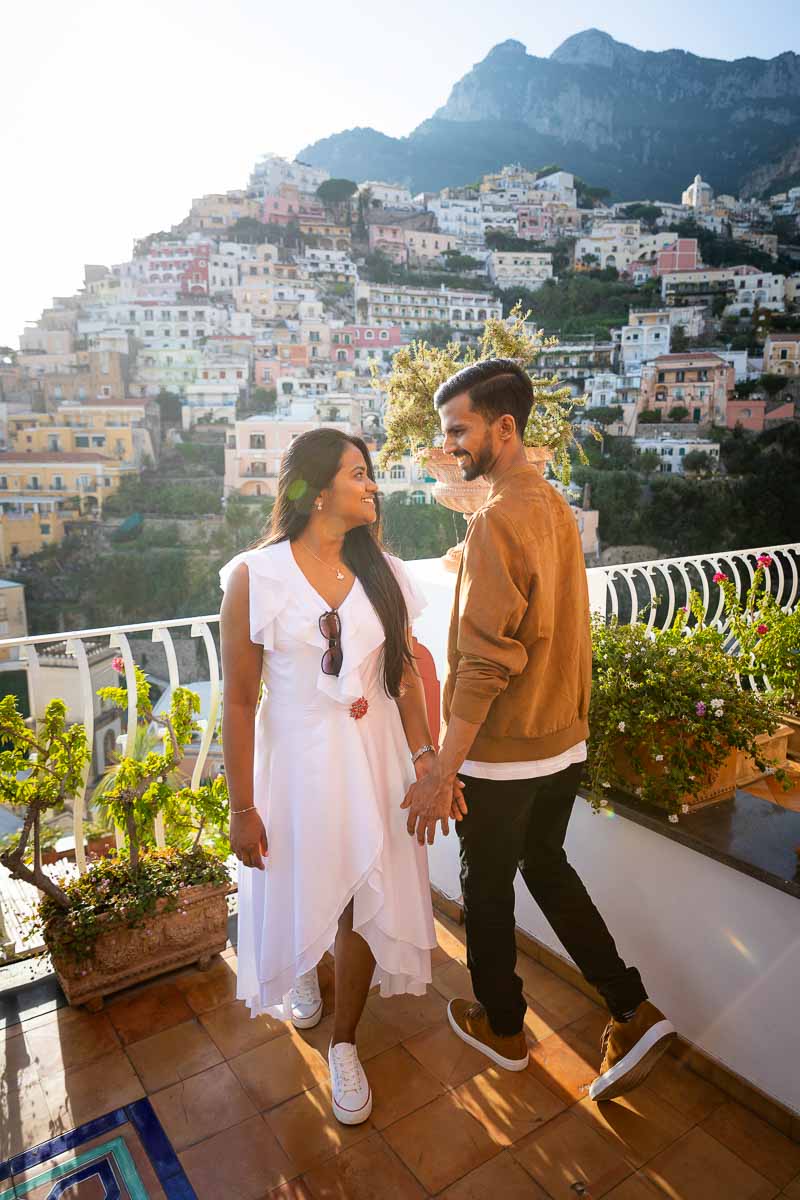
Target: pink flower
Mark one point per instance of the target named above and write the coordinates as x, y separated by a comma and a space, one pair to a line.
764, 560
118, 665
700, 708
762, 629
720, 577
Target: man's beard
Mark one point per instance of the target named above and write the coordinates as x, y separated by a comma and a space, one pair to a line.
472, 467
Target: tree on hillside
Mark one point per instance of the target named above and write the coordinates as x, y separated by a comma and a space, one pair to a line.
337, 191
170, 405
772, 384
698, 462
648, 214
678, 413
647, 462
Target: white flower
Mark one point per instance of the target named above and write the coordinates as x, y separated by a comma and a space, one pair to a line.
605, 785
672, 651
621, 727
673, 818
684, 808
690, 777
603, 802
717, 703
719, 712
659, 758
638, 791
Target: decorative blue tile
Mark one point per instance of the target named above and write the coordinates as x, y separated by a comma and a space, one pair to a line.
110, 1162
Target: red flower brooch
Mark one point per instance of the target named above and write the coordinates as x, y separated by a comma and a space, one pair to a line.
359, 708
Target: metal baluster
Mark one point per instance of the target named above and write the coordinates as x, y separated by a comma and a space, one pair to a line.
77, 649
162, 635
117, 638
201, 629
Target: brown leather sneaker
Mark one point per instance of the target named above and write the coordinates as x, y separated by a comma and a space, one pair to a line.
630, 1051
470, 1022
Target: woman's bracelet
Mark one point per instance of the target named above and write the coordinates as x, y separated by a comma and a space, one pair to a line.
422, 750
235, 811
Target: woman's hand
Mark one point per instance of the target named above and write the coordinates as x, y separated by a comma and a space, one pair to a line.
248, 838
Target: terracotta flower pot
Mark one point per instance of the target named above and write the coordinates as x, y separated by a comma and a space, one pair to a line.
466, 496
774, 747
717, 785
195, 931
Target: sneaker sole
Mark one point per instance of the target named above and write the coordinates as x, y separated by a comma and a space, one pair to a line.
637, 1064
308, 1022
349, 1116
509, 1064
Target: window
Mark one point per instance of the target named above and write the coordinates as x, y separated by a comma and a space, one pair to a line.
680, 376
82, 441
3, 483
257, 441
98, 439
183, 332
784, 355
398, 471
34, 482
384, 336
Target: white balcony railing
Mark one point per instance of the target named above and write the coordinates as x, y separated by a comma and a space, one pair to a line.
622, 592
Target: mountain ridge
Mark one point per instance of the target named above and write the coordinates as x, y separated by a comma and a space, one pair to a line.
640, 122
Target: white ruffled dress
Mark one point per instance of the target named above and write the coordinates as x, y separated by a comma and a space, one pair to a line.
328, 788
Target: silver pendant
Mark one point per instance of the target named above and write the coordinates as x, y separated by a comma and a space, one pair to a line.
339, 574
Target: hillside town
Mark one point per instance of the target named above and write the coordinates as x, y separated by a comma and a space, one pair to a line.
270, 309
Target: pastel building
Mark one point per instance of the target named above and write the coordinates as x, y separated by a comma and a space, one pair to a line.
256, 447
672, 448
700, 382
782, 354
699, 195
519, 268
424, 246
271, 171
385, 305
389, 240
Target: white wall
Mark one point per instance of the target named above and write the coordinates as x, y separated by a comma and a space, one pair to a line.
718, 951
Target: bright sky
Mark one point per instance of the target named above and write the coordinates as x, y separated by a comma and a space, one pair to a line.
114, 114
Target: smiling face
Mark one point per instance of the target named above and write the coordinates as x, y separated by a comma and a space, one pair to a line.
350, 499
469, 437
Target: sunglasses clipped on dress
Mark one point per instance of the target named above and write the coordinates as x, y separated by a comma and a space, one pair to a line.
330, 626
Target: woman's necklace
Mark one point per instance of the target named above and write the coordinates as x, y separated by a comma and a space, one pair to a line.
337, 570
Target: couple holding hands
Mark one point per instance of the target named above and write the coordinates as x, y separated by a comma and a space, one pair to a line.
336, 786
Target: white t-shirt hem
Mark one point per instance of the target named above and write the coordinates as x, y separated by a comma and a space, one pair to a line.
525, 770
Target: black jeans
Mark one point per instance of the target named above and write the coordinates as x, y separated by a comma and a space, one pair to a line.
522, 824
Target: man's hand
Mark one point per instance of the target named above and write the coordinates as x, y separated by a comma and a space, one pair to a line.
432, 798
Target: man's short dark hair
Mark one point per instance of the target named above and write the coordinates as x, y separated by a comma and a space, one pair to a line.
495, 386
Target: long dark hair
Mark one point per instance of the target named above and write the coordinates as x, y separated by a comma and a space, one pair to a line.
309, 466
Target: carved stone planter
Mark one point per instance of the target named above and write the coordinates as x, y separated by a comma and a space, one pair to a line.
192, 933
774, 747
718, 785
794, 737
466, 496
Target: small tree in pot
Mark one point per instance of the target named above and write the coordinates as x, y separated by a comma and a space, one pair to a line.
136, 914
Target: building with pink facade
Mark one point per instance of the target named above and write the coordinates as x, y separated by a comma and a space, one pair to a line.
182, 265
289, 205
700, 382
758, 414
389, 240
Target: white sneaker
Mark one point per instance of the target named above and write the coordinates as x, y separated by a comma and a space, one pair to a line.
306, 1001
352, 1097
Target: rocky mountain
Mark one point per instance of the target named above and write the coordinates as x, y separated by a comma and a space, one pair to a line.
641, 123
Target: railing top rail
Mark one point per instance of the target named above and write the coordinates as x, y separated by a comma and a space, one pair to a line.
709, 556
143, 627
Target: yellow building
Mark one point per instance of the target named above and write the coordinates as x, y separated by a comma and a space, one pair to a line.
40, 489
782, 354
13, 619
125, 430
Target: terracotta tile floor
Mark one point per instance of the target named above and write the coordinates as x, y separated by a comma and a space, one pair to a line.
246, 1103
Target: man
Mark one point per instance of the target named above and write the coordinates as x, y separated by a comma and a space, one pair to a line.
515, 706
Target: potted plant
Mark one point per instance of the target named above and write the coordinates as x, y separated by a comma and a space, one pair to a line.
142, 911
412, 423
767, 640
668, 716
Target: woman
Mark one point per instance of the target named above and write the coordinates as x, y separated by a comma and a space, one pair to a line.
318, 768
